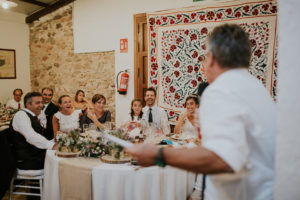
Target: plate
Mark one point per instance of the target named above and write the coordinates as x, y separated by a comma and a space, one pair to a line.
67, 154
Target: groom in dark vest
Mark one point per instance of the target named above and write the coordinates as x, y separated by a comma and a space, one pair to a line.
29, 143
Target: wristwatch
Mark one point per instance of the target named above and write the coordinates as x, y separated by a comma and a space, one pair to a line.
159, 159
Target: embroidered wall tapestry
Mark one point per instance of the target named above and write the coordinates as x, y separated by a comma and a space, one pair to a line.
177, 39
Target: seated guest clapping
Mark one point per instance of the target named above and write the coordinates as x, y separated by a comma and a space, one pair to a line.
80, 102
98, 115
67, 119
186, 122
29, 143
134, 118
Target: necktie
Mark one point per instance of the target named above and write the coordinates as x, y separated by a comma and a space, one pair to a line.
19, 106
150, 119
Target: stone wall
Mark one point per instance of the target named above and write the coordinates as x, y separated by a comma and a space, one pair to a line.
54, 64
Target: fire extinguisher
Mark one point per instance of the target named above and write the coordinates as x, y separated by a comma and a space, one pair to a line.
123, 87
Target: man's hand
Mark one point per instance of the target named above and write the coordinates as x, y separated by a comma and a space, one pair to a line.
144, 154
55, 146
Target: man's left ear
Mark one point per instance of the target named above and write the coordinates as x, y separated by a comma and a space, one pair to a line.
210, 59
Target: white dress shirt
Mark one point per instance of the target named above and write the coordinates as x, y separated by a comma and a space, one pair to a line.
22, 124
159, 116
15, 105
237, 119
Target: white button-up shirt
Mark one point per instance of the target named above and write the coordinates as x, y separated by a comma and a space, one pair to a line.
22, 124
159, 116
13, 104
237, 118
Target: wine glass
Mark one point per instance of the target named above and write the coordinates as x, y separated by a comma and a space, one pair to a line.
107, 125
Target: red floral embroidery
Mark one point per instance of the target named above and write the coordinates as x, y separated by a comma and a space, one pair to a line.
229, 11
196, 68
219, 15
258, 53
274, 9
190, 69
195, 54
186, 20
172, 89
202, 17
246, 8
154, 66
173, 47
172, 21
168, 80
199, 79
178, 40
255, 12
152, 73
151, 28
238, 14
176, 73
194, 83
168, 57
177, 64
158, 22
193, 37
265, 7
204, 31
151, 21
179, 16
210, 15
153, 59
186, 32
200, 58
164, 19
154, 81
252, 42
153, 35
171, 113
193, 15
177, 96
203, 47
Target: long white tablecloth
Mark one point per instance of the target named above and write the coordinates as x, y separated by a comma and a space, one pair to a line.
122, 181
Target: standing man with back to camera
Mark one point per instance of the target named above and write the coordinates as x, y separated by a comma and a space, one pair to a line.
237, 119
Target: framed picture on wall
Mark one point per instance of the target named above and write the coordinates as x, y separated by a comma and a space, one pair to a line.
7, 64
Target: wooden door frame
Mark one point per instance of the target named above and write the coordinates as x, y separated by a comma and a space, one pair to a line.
137, 71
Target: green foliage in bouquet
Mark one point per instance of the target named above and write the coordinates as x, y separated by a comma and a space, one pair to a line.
111, 148
92, 147
69, 142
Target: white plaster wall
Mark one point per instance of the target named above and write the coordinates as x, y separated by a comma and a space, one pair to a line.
100, 24
14, 34
287, 177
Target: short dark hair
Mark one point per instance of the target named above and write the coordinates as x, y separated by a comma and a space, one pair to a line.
201, 88
17, 89
47, 88
150, 89
230, 46
97, 97
194, 97
61, 97
29, 95
77, 93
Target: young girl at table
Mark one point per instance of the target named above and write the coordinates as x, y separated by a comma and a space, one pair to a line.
133, 120
67, 119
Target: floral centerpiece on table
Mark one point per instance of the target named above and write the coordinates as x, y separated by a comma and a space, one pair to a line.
92, 147
6, 114
69, 142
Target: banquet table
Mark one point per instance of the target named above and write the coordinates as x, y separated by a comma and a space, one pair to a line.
112, 181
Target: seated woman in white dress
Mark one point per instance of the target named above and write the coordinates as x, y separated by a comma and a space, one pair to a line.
67, 119
133, 119
186, 124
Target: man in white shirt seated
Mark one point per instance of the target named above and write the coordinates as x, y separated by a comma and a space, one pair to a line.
47, 112
238, 124
154, 115
29, 144
16, 102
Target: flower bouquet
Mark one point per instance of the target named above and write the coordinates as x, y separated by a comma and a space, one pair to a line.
69, 145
